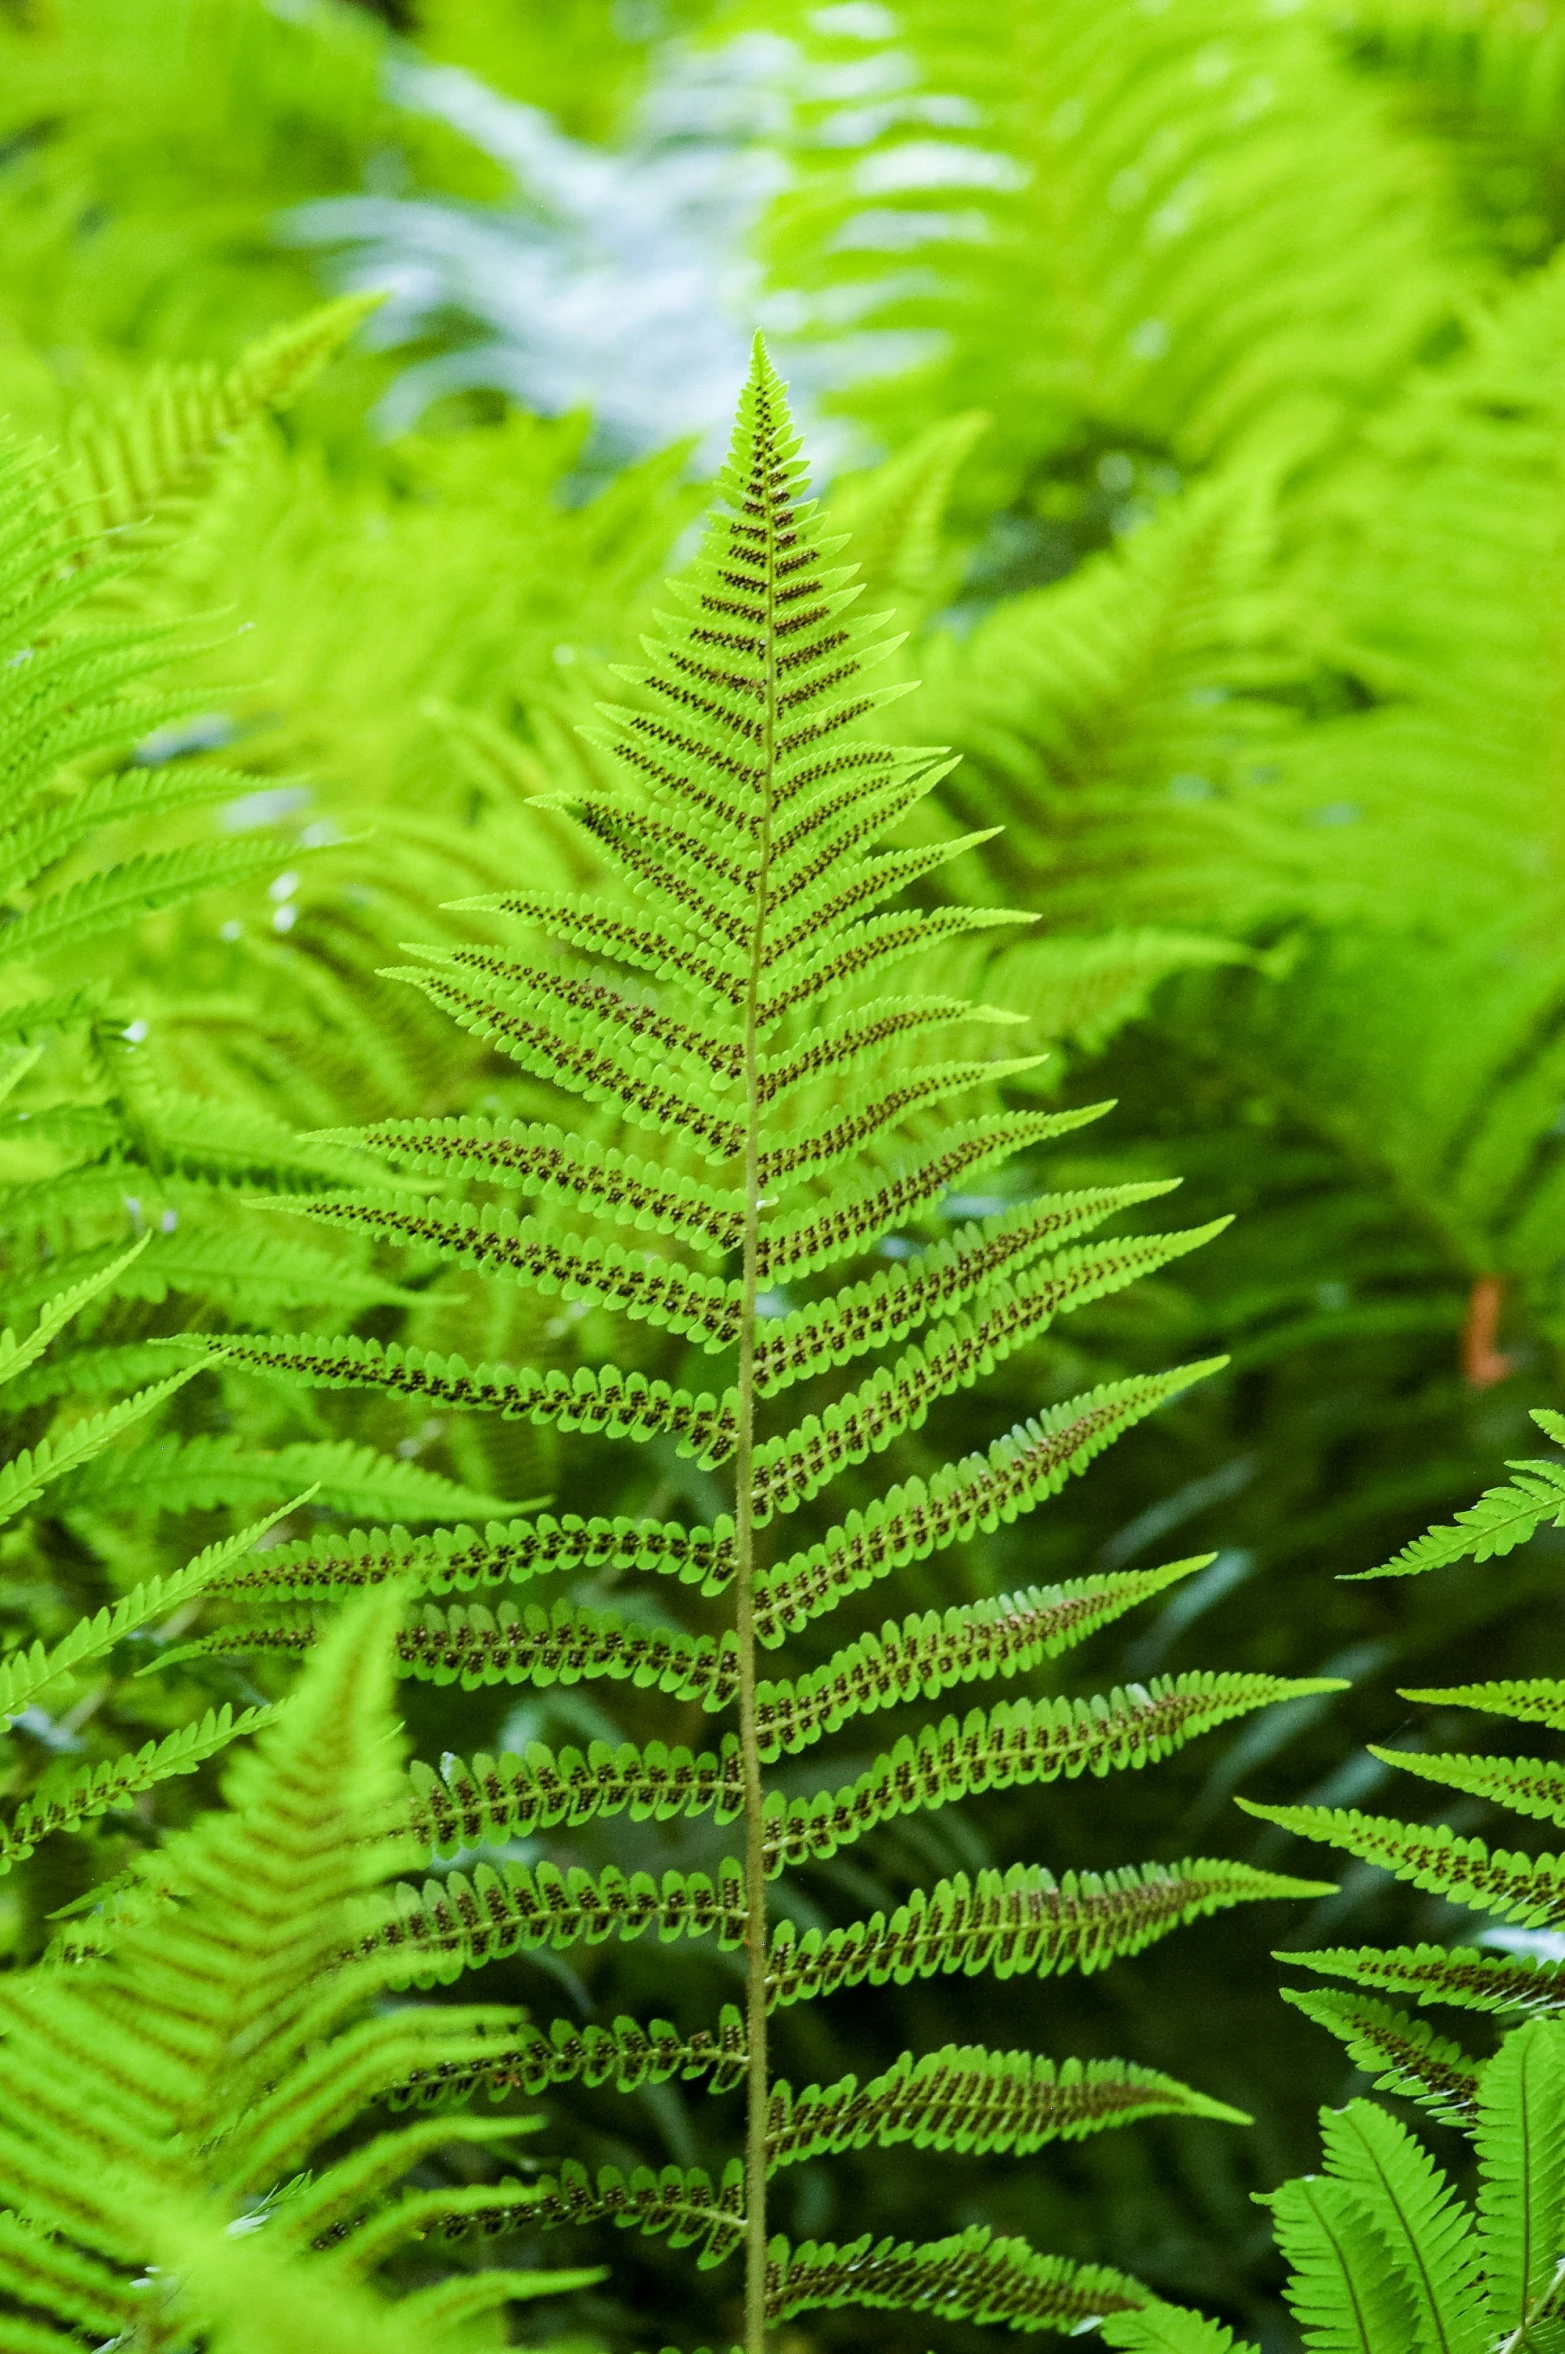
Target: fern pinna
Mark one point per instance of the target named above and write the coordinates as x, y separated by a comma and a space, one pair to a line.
1399, 2049
730, 1002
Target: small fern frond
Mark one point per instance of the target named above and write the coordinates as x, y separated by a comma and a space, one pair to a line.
972, 2276
224, 2012
526, 2059
604, 1401
1169, 2329
1403, 2054
1502, 1518
1530, 1889
1345, 2287
1519, 2137
1526, 1785
90, 1791
1416, 2211
25, 1675
1535, 1700
157, 449
1018, 1921
64, 1456
965, 2098
1461, 1975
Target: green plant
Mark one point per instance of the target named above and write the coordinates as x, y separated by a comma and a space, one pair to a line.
1385, 2255
1465, 1870
729, 1000
166, 2098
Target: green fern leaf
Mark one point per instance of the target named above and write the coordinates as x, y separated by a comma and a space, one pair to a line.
1520, 2142
26, 1675
197, 1475
91, 1791
1348, 2292
24, 1479
1523, 1888
724, 982
973, 2276
559, 1167
1015, 1921
618, 1405
16, 1356
1539, 1700
157, 449
1168, 2329
1457, 1974
1502, 1519
929, 1654
512, 2058
1415, 2210
792, 1468
965, 2098
1524, 1784
1403, 2054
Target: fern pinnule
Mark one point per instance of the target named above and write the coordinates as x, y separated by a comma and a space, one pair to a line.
742, 990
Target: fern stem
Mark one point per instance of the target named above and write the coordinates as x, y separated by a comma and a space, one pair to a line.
757, 2085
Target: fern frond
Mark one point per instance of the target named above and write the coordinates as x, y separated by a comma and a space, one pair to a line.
859, 1214
1169, 2329
193, 2067
720, 975
459, 1923
1345, 2286
1526, 1785
679, 2203
1402, 2053
537, 1156
16, 1356
197, 1474
1458, 1974
527, 1250
509, 1553
972, 2276
1520, 2144
1502, 1519
928, 1654
99, 1789
1536, 1700
626, 2056
1020, 1470
1416, 2211
945, 1277
156, 449
1530, 1889
26, 1675
965, 2098
24, 1479
606, 1401
1019, 1920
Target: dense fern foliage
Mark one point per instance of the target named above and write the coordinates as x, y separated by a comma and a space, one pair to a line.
1188, 380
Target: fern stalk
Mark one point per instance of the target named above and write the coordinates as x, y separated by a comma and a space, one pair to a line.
757, 2089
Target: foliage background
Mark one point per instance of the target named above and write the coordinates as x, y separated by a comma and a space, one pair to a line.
1193, 374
